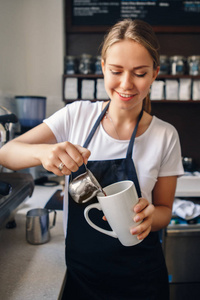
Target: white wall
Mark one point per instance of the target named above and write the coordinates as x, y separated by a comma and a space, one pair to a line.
32, 49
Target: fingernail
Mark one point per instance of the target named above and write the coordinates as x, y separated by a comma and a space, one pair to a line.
133, 231
137, 218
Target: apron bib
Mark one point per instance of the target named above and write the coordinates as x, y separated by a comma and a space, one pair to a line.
98, 266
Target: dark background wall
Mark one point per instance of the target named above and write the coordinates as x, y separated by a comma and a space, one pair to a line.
171, 43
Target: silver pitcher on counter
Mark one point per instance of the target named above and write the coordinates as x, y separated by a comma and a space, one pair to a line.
38, 225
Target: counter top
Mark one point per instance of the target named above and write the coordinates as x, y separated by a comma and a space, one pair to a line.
188, 186
32, 271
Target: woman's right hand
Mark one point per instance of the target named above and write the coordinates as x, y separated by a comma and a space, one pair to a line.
39, 146
69, 156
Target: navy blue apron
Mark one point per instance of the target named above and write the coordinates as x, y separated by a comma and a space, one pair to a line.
99, 267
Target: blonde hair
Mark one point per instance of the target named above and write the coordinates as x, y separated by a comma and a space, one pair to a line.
140, 32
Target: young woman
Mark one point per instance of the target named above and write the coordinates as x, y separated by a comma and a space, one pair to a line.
118, 140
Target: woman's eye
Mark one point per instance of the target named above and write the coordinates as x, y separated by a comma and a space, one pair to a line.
141, 75
115, 72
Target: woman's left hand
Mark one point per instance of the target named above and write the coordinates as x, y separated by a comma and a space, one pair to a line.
144, 212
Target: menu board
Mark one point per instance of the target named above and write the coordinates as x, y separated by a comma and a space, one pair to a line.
155, 12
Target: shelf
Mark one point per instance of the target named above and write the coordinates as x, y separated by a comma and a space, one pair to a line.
82, 76
152, 101
158, 77
92, 100
177, 76
175, 101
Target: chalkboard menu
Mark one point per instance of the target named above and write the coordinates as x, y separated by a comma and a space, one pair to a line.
99, 14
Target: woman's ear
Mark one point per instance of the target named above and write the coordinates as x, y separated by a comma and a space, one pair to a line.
103, 65
155, 73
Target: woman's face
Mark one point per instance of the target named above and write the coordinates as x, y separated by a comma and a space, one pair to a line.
128, 73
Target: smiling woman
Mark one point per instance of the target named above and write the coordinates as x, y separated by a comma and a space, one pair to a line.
118, 140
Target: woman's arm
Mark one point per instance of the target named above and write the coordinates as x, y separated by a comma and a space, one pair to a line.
157, 215
39, 146
163, 198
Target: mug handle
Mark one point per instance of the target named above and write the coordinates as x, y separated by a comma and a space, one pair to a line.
54, 217
86, 212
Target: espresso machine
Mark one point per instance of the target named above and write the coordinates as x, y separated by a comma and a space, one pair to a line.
14, 187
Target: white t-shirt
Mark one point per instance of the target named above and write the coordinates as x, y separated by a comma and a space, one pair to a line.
156, 153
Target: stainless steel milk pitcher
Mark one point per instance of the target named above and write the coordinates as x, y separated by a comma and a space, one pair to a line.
84, 187
38, 225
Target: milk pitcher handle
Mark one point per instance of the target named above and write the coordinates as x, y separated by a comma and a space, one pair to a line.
54, 217
70, 177
86, 212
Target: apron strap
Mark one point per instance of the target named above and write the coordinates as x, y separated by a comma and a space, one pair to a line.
135, 179
96, 126
129, 155
132, 140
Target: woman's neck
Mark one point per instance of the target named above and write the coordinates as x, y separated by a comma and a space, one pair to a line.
123, 116
120, 123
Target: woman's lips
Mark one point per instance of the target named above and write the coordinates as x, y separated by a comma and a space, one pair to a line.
125, 97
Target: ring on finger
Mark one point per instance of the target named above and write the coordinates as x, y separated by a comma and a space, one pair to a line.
60, 167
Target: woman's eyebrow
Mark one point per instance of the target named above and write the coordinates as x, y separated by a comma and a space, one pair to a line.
140, 67
113, 65
136, 68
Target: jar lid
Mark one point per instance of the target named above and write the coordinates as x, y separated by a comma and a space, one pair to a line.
194, 57
164, 57
70, 57
86, 56
177, 57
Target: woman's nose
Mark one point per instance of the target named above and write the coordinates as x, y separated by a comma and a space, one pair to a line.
127, 81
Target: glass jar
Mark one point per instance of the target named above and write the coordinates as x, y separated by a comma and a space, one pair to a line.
98, 69
70, 64
164, 65
177, 64
86, 65
194, 65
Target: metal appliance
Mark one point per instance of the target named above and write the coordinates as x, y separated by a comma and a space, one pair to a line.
181, 246
14, 187
21, 187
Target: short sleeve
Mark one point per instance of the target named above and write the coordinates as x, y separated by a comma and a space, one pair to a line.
171, 163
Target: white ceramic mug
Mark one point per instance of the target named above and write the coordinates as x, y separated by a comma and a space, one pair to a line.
117, 206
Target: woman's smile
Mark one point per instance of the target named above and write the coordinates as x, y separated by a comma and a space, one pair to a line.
125, 97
